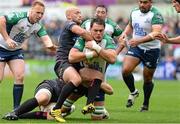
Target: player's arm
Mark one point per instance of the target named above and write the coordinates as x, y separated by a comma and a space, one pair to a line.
164, 38
156, 29
77, 56
107, 54
4, 33
175, 40
123, 37
76, 53
48, 43
81, 32
3, 30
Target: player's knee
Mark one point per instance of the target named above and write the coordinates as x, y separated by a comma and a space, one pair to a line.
107, 88
19, 78
76, 81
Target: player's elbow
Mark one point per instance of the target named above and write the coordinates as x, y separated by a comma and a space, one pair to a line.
71, 58
112, 59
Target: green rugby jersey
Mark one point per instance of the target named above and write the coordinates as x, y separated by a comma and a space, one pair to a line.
96, 63
19, 28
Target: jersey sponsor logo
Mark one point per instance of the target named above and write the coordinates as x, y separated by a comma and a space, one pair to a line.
148, 20
139, 30
1, 58
20, 56
19, 37
130, 52
75, 39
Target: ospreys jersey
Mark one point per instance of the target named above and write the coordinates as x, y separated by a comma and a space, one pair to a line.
96, 63
111, 27
142, 25
19, 28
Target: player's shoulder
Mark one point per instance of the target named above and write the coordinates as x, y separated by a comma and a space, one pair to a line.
107, 37
111, 22
68, 23
135, 9
87, 21
17, 15
154, 10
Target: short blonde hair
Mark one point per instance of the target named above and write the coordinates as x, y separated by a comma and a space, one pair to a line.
38, 2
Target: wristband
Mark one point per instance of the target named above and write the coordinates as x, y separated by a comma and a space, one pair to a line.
151, 35
89, 55
96, 46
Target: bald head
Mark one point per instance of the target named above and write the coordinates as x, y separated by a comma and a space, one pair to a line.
70, 11
74, 14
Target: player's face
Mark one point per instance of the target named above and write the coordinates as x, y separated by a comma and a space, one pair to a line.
36, 13
100, 13
145, 5
76, 16
97, 31
176, 5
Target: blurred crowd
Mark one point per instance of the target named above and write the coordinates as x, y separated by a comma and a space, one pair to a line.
53, 26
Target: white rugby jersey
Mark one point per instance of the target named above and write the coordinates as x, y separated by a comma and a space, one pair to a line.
19, 28
142, 26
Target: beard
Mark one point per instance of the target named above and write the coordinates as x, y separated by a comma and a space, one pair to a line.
143, 10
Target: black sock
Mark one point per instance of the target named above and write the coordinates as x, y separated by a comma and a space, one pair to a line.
17, 94
34, 115
27, 106
93, 90
147, 88
65, 92
129, 80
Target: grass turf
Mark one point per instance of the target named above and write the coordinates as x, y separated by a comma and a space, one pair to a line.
164, 103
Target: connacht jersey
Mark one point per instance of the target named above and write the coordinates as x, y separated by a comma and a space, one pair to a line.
19, 28
142, 25
96, 63
111, 27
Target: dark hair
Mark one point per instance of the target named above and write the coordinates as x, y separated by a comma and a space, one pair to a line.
38, 2
102, 6
97, 21
178, 1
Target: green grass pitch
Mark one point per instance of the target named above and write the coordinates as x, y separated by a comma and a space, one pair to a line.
164, 105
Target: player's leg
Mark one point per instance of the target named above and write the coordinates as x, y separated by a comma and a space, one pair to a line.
100, 110
17, 67
147, 87
2, 67
42, 97
150, 60
68, 106
95, 78
72, 78
129, 64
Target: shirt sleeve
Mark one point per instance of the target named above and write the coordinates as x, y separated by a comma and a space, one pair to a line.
80, 43
157, 18
42, 31
14, 17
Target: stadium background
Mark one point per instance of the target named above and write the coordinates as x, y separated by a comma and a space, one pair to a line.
39, 63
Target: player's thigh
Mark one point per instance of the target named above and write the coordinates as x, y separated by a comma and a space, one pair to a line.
43, 96
71, 75
17, 67
88, 74
130, 63
2, 67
